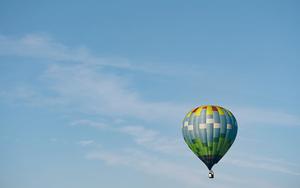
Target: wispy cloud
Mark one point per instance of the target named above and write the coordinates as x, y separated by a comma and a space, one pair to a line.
265, 163
43, 46
90, 123
86, 142
53, 139
150, 164
263, 116
176, 171
30, 95
98, 92
154, 140
83, 84
85, 89
142, 136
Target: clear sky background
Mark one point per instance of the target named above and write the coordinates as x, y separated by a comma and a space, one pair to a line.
93, 93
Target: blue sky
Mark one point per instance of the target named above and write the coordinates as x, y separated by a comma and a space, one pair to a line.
93, 93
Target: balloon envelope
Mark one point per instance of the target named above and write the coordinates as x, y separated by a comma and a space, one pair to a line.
209, 131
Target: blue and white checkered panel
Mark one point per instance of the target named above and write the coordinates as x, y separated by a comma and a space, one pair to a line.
203, 116
216, 125
216, 117
210, 132
196, 127
228, 126
223, 124
185, 130
202, 126
191, 127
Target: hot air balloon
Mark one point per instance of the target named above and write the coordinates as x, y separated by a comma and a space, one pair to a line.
209, 131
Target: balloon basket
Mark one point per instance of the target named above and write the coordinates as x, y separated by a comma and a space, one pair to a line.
210, 174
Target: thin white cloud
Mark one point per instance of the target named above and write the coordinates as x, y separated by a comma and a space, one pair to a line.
265, 163
175, 171
96, 92
86, 142
150, 164
263, 116
90, 123
154, 140
31, 96
148, 138
277, 161
86, 89
53, 139
44, 47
